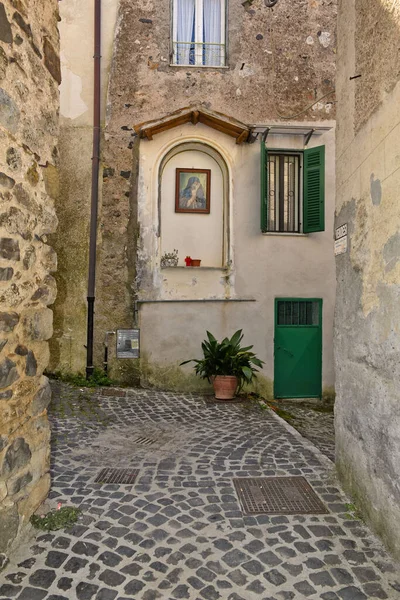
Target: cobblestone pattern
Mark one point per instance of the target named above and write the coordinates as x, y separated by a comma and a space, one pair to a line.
178, 532
313, 420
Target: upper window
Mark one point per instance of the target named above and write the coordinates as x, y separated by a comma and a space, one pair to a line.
292, 190
199, 33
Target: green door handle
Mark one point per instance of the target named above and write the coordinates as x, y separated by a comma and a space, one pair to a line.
284, 349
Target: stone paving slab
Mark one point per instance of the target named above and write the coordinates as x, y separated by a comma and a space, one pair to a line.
178, 531
314, 419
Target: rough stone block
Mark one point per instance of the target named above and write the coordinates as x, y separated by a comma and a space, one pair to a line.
8, 373
24, 26
52, 61
5, 27
48, 259
6, 181
47, 291
41, 399
29, 258
38, 324
17, 456
9, 524
16, 484
8, 321
13, 158
16, 222
51, 181
24, 198
9, 249
21, 350
31, 364
9, 112
6, 273
40, 433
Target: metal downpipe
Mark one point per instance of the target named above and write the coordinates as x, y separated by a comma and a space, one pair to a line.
95, 188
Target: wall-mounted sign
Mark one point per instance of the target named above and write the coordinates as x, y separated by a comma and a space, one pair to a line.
340, 231
341, 245
128, 343
341, 240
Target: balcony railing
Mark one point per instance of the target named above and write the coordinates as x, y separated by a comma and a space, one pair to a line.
205, 54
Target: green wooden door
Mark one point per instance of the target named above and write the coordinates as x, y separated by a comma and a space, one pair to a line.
298, 348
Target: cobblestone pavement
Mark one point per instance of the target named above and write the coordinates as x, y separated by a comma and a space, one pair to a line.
179, 531
314, 420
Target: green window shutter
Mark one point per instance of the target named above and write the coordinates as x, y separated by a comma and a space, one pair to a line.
314, 190
264, 186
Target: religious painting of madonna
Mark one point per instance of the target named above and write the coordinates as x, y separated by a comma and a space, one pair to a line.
193, 191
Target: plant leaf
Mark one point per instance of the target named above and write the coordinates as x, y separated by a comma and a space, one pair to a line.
248, 373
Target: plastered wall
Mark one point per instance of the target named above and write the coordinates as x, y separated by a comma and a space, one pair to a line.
367, 334
76, 119
261, 267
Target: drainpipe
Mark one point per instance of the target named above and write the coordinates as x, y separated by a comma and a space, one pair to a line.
95, 189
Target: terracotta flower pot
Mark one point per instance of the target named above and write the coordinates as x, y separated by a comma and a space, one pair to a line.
225, 387
195, 262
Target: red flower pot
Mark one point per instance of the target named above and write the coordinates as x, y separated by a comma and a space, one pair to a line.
225, 387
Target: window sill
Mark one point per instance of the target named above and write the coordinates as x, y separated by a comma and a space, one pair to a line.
194, 268
198, 66
285, 234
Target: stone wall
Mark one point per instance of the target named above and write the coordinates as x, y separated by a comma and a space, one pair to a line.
368, 302
29, 79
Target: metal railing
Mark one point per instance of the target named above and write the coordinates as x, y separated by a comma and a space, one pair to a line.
207, 54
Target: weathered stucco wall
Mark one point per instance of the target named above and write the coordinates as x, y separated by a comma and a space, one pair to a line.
29, 99
259, 267
73, 204
368, 302
280, 61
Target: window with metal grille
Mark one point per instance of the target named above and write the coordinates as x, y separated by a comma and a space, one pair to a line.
284, 193
199, 32
292, 190
298, 312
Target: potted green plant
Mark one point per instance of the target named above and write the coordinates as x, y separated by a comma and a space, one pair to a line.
226, 364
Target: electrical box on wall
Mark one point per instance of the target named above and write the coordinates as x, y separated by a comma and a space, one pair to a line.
128, 343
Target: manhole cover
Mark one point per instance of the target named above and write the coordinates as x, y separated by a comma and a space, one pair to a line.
278, 496
143, 441
124, 476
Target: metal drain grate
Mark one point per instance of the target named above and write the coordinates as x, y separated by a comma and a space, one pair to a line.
278, 496
124, 476
143, 441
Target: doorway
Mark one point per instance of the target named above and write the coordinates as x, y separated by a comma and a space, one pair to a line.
298, 348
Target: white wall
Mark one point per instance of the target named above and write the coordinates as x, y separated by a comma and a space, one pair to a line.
76, 45
195, 235
263, 266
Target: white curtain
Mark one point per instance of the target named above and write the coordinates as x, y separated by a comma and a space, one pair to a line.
185, 23
212, 32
